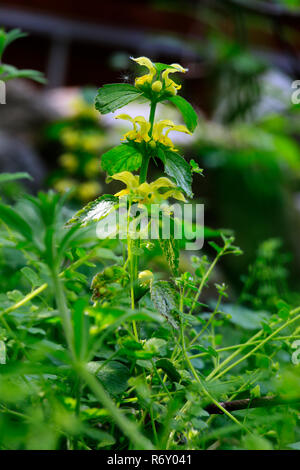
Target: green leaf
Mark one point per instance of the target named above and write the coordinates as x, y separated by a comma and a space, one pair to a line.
170, 249
164, 298
114, 96
94, 210
8, 38
32, 276
188, 113
14, 221
113, 376
9, 72
177, 167
121, 158
6, 177
169, 369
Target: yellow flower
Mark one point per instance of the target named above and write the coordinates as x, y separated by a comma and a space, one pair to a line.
91, 143
91, 168
64, 185
164, 138
83, 109
148, 78
89, 190
70, 138
69, 162
140, 131
170, 85
147, 193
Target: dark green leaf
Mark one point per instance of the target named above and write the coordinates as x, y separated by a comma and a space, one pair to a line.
121, 158
114, 96
188, 113
169, 369
14, 221
179, 169
164, 298
113, 376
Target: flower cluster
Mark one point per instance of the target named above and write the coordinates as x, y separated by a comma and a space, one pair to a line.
147, 193
158, 81
160, 132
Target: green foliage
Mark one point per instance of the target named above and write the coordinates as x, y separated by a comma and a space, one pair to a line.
8, 72
178, 168
121, 158
188, 113
97, 352
114, 96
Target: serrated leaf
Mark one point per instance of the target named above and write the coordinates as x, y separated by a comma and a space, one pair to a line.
114, 96
164, 298
113, 376
170, 250
121, 158
188, 113
94, 211
178, 168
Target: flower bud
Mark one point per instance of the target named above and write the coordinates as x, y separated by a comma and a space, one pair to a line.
157, 86
152, 144
145, 278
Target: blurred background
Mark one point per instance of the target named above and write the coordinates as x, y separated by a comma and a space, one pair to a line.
242, 55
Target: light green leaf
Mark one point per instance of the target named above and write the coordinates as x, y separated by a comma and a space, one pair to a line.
95, 210
164, 298
188, 113
9, 72
6, 177
32, 276
8, 38
178, 168
121, 158
114, 96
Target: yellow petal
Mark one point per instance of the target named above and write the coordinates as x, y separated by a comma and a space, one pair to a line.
179, 128
146, 63
175, 193
160, 126
162, 183
179, 68
128, 178
124, 192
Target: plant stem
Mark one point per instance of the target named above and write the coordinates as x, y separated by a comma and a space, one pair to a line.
205, 391
146, 158
204, 279
262, 343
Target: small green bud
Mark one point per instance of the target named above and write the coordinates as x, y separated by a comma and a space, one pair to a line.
108, 273
152, 144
